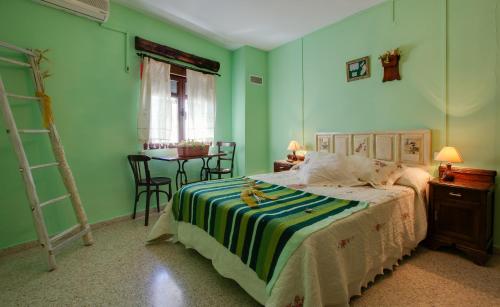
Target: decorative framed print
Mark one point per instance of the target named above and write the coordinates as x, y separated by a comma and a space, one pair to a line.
384, 147
361, 145
358, 69
412, 150
324, 143
342, 143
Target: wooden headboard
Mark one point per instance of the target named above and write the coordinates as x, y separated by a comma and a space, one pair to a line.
408, 147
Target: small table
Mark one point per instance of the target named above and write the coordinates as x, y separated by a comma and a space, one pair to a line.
461, 213
181, 175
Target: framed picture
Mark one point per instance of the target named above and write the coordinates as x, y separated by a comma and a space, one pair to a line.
324, 143
384, 147
412, 150
358, 69
361, 145
341, 143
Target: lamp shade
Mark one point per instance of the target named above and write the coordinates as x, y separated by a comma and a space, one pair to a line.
294, 146
449, 154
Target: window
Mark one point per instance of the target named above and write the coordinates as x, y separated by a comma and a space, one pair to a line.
166, 115
178, 90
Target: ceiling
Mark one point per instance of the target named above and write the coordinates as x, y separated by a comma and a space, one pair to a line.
257, 23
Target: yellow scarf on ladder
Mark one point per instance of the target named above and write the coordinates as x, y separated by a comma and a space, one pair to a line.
46, 109
252, 195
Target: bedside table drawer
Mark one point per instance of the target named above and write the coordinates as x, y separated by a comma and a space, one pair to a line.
451, 193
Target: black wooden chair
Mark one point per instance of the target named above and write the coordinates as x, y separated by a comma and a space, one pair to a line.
229, 148
142, 178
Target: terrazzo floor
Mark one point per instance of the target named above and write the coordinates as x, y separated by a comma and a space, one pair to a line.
119, 270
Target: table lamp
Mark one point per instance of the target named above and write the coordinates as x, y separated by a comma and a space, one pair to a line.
294, 146
449, 155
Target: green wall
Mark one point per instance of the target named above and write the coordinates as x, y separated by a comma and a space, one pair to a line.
250, 110
95, 105
422, 31
256, 125
239, 99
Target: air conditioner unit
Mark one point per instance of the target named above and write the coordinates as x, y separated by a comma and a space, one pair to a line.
97, 10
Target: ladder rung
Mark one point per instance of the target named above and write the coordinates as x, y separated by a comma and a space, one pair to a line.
15, 48
44, 165
55, 200
68, 240
33, 131
22, 97
58, 236
14, 62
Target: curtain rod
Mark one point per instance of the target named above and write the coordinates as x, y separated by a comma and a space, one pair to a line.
142, 55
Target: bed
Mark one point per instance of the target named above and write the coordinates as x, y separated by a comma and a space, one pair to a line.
333, 262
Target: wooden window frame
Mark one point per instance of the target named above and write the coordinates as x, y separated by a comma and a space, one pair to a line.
178, 74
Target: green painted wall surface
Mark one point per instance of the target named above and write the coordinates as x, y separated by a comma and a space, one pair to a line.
285, 98
256, 125
239, 119
250, 111
418, 101
95, 105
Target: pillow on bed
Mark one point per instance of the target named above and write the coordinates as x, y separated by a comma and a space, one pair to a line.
310, 156
414, 177
374, 172
361, 167
326, 168
385, 173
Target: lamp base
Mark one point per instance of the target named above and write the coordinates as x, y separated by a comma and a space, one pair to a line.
448, 174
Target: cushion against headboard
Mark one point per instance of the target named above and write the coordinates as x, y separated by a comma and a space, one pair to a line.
408, 147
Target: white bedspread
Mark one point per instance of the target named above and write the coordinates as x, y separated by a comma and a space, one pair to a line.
331, 265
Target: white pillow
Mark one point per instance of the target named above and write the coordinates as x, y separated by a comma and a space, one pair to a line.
326, 168
361, 167
415, 178
374, 172
385, 173
311, 155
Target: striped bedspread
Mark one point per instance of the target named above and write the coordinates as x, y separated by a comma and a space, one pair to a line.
263, 237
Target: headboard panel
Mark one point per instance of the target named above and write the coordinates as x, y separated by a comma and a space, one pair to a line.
407, 147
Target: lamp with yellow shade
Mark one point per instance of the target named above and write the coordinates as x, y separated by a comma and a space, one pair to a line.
449, 155
294, 146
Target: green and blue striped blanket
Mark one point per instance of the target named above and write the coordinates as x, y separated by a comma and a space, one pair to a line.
263, 237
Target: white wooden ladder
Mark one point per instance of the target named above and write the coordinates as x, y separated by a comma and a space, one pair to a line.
51, 244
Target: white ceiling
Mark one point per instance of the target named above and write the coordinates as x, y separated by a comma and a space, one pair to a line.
257, 23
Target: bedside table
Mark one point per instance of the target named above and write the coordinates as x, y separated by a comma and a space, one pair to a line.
283, 165
461, 213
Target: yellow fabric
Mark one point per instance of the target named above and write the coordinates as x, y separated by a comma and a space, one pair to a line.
251, 194
46, 109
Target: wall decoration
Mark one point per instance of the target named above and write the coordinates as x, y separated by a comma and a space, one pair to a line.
361, 145
411, 148
384, 147
342, 143
358, 69
324, 143
390, 62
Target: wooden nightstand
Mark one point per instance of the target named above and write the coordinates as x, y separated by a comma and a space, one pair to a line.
283, 165
461, 213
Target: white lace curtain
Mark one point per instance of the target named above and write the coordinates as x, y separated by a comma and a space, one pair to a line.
157, 121
200, 106
158, 111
